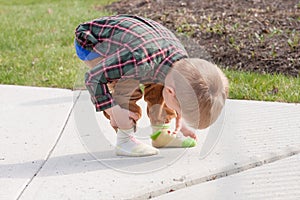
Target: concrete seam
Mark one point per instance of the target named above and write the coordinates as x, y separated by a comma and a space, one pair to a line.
51, 150
218, 175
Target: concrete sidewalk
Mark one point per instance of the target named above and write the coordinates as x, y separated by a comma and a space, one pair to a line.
54, 146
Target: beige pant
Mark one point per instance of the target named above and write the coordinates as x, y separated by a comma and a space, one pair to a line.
127, 92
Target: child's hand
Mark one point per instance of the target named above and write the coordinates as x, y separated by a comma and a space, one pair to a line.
181, 126
121, 118
188, 133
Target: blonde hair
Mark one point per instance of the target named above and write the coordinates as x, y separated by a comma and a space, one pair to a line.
201, 89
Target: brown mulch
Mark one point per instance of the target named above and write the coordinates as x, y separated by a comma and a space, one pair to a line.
252, 35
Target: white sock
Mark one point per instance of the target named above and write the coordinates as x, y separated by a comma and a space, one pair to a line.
128, 145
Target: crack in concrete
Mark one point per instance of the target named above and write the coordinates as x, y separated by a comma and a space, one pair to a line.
52, 149
215, 176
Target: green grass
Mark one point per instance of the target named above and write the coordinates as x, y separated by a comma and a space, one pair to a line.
266, 87
37, 50
37, 40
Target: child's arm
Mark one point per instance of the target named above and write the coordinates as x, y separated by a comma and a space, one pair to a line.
121, 118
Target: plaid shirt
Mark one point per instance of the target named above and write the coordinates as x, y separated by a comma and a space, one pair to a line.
132, 47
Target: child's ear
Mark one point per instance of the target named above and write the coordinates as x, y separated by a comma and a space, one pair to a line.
170, 91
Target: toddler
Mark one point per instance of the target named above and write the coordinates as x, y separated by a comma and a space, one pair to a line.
125, 51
